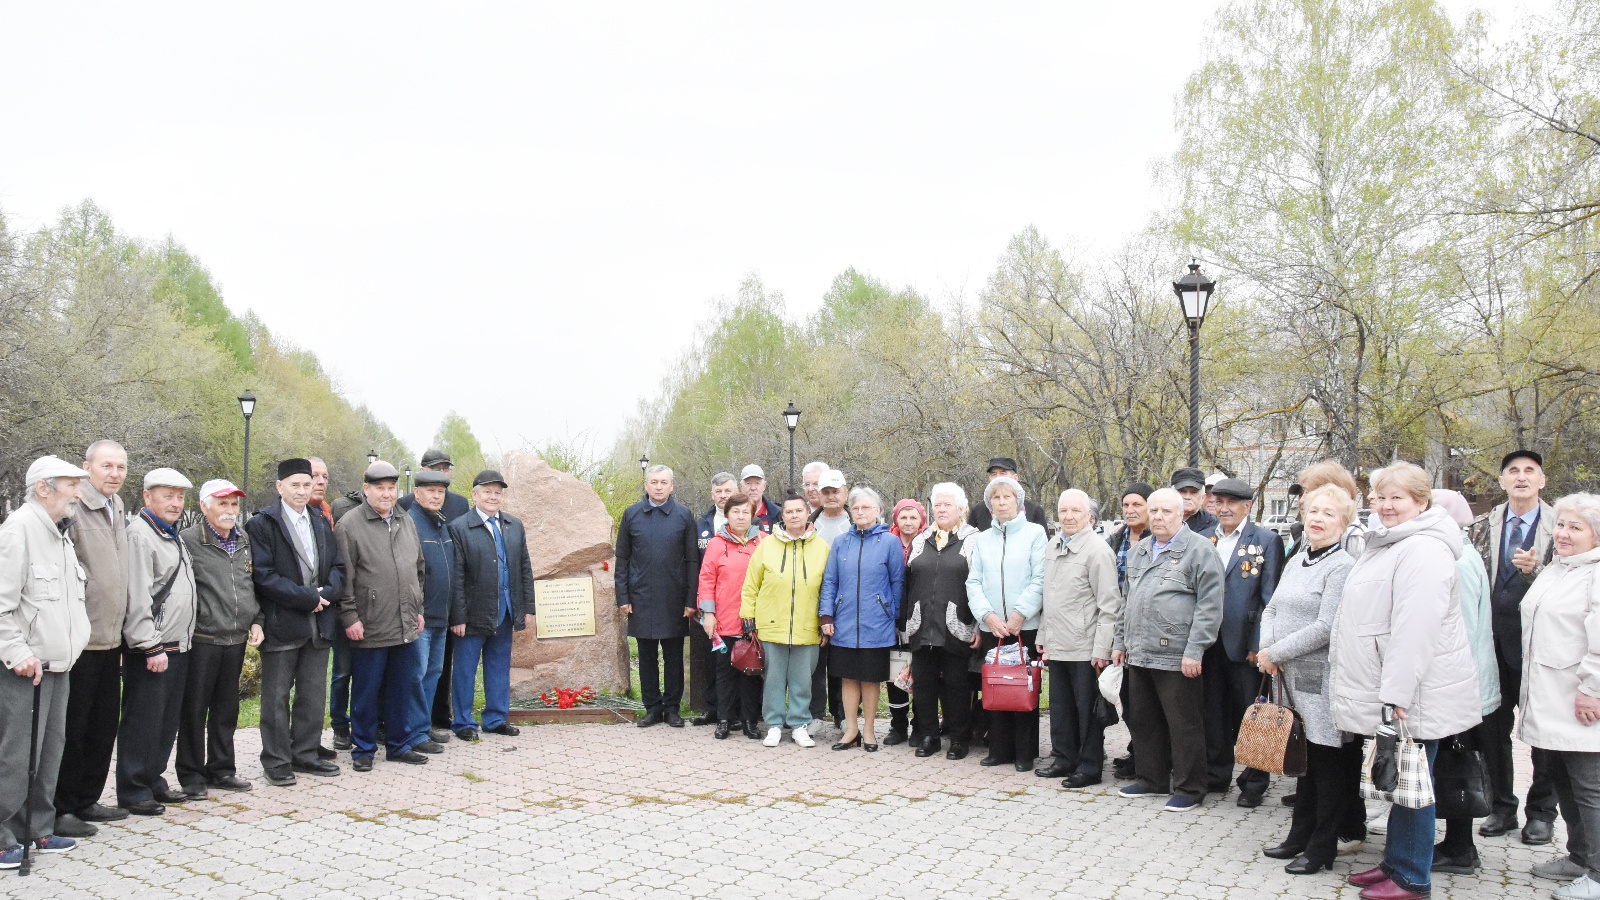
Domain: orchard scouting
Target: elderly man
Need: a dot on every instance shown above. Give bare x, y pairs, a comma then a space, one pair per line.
156, 635
298, 573
1514, 540
723, 486
226, 618
44, 626
658, 567
380, 610
455, 505
99, 534
1170, 619
1190, 483
830, 519
810, 478
1079, 620
492, 597
1006, 467
1252, 561
439, 557
754, 481
1135, 520
319, 488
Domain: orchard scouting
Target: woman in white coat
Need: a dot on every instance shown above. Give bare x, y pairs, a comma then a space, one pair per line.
1561, 687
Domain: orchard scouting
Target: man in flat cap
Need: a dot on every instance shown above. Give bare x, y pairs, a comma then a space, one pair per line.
100, 536
454, 507
439, 556
226, 619
380, 610
298, 573
156, 635
438, 461
491, 598
1006, 467
44, 626
1252, 561
1190, 483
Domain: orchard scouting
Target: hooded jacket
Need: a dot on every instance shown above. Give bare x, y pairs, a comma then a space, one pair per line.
1007, 572
42, 613
861, 587
782, 587
1081, 598
1399, 638
722, 571
1561, 653
1472, 589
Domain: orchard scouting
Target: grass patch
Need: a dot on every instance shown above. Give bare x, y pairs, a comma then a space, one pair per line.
473, 777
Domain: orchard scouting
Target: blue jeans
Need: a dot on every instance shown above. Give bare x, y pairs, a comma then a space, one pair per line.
339, 687
786, 692
431, 641
390, 678
496, 654
1408, 852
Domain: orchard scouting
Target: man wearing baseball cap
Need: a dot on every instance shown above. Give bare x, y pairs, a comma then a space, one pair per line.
1190, 483
225, 620
755, 485
44, 626
156, 635
1006, 467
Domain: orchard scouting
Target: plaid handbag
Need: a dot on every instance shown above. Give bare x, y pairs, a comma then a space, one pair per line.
1414, 787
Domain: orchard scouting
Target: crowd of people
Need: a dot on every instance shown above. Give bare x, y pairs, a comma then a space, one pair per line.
1422, 618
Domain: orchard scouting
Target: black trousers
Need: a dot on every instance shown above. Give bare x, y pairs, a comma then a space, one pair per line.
1329, 805
655, 699
1230, 688
1168, 730
1076, 735
827, 692
152, 707
442, 713
1013, 736
939, 679
210, 714
1493, 736
702, 663
94, 701
737, 695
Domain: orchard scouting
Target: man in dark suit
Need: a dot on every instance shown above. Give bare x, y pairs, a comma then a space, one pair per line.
1252, 560
298, 574
658, 567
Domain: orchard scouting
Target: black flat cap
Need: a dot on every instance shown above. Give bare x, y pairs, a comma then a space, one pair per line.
1189, 476
430, 478
489, 476
295, 466
1002, 462
1233, 488
1522, 454
434, 457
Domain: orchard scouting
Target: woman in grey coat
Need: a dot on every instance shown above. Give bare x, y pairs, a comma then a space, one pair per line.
1295, 628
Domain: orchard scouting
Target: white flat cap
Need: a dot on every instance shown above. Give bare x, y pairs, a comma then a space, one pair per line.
52, 467
165, 477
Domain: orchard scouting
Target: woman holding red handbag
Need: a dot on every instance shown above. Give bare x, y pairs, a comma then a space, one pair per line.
1005, 592
722, 570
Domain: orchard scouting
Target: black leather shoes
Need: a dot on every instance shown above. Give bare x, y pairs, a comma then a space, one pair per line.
230, 783
281, 776
1249, 799
653, 717
1290, 799
470, 735
341, 738
361, 763
1023, 765
1497, 824
1057, 768
1537, 832
895, 737
928, 747
958, 750
70, 826
673, 719
752, 731
510, 730
317, 768
1284, 851
994, 761
1304, 866
145, 808
1454, 865
439, 735
1080, 780
325, 753
723, 730
196, 792
409, 757
429, 746
170, 796
94, 812
707, 719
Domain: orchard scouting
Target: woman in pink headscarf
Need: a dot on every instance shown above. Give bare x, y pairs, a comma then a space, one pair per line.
908, 520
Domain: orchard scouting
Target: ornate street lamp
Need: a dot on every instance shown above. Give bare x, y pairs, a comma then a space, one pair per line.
247, 405
791, 416
1194, 292
372, 457
408, 479
644, 466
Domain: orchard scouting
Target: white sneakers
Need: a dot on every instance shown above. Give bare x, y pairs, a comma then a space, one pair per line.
774, 735
1584, 888
801, 738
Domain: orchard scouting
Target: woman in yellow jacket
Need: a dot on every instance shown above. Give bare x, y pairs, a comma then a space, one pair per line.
779, 605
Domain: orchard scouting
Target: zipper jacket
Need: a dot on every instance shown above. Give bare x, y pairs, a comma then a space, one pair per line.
225, 590
42, 613
782, 586
861, 587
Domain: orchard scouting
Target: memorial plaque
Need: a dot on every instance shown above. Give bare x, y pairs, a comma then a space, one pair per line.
564, 607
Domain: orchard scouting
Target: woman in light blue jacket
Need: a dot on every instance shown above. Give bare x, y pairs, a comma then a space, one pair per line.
860, 600
1005, 591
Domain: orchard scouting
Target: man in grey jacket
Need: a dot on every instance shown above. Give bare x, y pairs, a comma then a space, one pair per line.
226, 618
43, 628
1172, 616
156, 635
99, 533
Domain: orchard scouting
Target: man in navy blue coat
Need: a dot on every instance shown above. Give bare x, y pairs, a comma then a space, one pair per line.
658, 569
1252, 560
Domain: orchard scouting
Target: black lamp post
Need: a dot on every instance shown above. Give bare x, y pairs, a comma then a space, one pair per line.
1194, 292
644, 466
247, 405
792, 417
408, 479
372, 457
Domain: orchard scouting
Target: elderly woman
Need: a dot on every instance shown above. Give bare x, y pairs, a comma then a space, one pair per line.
1295, 628
722, 570
1005, 587
909, 518
939, 624
1561, 688
1081, 603
860, 600
779, 605
1399, 646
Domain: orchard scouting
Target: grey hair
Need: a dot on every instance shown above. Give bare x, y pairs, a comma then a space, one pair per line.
719, 478
654, 469
865, 490
814, 465
953, 491
33, 492
1089, 502
1005, 481
1586, 506
102, 444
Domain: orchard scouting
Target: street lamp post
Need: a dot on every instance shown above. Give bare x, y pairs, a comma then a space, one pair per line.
791, 416
1194, 292
372, 457
644, 466
247, 405
408, 479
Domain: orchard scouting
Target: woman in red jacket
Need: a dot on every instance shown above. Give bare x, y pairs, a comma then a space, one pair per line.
722, 569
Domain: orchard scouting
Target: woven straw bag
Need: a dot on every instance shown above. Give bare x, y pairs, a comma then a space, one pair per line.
1271, 737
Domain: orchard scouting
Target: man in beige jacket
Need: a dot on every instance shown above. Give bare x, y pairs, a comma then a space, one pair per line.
43, 629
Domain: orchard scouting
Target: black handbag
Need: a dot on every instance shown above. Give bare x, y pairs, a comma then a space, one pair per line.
1385, 760
1460, 782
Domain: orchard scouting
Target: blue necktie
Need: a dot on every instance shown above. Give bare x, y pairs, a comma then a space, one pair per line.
1513, 544
505, 572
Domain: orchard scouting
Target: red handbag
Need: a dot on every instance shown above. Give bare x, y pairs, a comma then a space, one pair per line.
747, 655
1011, 688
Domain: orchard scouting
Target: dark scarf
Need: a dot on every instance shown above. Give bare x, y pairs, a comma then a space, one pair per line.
171, 531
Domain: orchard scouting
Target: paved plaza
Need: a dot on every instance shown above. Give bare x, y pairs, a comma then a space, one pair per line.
617, 811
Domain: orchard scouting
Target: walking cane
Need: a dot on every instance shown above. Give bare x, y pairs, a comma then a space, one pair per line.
33, 774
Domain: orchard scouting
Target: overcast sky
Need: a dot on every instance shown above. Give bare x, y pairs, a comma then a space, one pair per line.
521, 212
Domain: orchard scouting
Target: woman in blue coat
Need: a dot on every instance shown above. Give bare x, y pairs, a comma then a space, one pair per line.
860, 600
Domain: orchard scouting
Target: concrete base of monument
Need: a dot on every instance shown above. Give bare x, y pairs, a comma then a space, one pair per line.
578, 715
